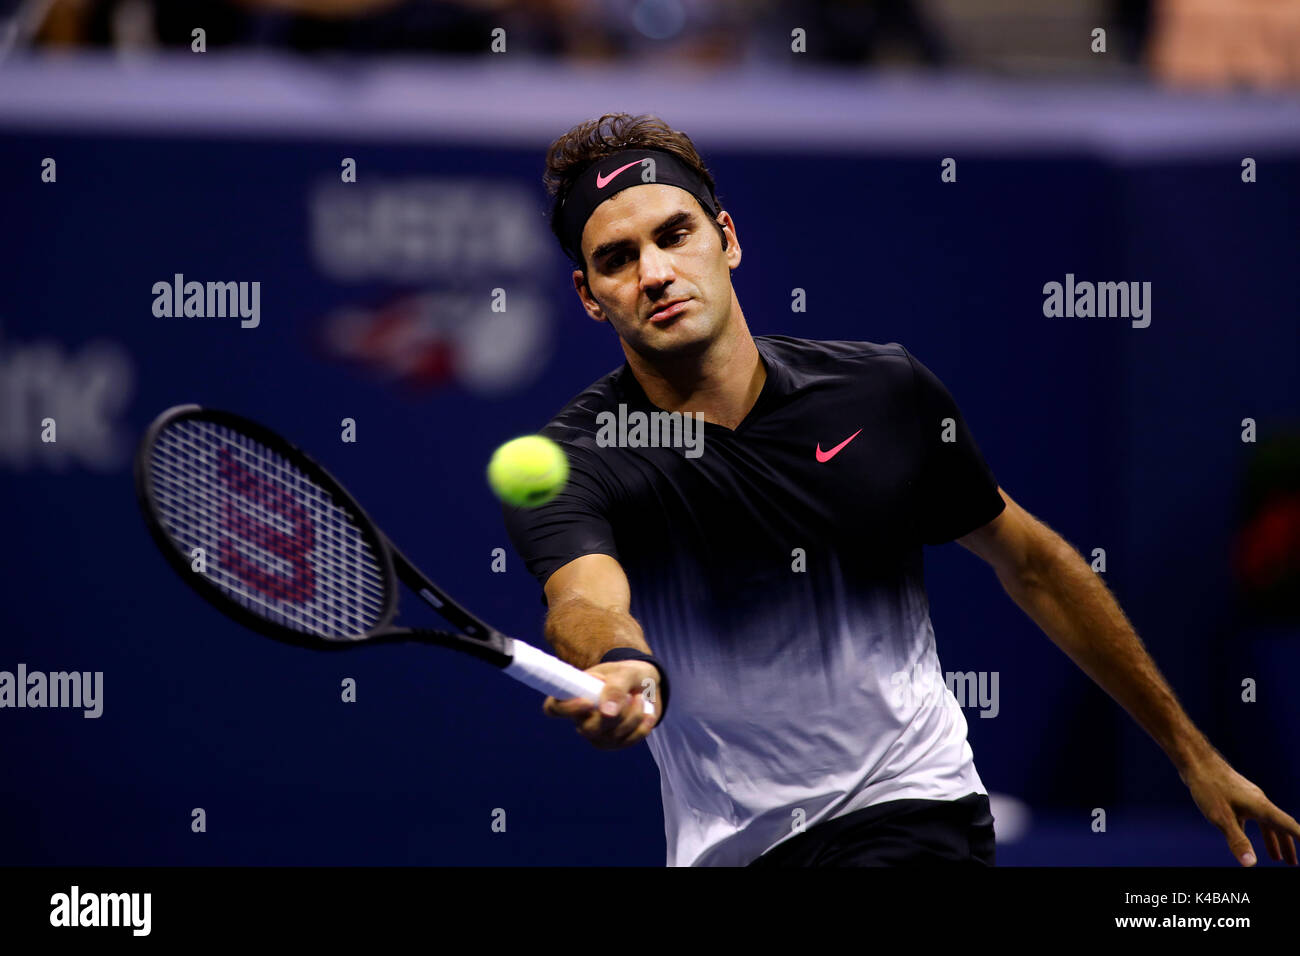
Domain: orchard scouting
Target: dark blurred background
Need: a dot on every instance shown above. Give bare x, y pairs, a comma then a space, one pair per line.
1198, 42
1165, 149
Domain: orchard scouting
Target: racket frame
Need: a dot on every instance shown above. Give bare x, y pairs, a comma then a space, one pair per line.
476, 637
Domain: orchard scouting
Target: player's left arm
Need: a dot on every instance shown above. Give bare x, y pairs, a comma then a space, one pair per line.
1054, 585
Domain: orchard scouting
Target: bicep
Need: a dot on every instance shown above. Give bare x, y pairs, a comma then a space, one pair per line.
1013, 543
595, 578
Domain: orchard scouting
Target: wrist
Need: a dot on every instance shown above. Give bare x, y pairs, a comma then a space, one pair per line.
1193, 755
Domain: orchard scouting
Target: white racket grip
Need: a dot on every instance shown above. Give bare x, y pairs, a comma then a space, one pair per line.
550, 675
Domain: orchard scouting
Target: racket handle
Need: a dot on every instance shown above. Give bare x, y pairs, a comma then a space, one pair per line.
550, 675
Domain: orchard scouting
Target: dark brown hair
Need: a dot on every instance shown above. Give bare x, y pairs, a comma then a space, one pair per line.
595, 139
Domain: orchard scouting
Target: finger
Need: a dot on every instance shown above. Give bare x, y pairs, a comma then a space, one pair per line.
567, 707
1284, 821
629, 724
613, 733
1270, 843
630, 719
638, 733
1282, 827
573, 707
1284, 842
643, 729
595, 725
1238, 842
612, 699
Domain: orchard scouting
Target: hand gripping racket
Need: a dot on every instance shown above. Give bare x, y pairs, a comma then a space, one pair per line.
282, 548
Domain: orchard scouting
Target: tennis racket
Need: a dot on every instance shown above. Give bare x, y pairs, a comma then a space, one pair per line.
282, 548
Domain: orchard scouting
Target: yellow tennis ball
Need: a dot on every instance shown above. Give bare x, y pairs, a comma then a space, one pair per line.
528, 471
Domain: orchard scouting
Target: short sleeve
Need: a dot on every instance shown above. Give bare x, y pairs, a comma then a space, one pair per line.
956, 490
571, 524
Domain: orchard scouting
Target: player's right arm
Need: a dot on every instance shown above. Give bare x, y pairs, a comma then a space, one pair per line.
589, 603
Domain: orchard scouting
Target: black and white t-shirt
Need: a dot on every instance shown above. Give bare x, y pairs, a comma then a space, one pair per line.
777, 571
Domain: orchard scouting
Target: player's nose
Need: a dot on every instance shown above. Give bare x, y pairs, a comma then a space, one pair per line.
656, 268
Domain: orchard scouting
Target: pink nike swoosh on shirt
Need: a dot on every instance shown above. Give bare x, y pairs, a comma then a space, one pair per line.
603, 181
828, 455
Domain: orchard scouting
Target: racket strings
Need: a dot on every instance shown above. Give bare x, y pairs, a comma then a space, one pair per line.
275, 541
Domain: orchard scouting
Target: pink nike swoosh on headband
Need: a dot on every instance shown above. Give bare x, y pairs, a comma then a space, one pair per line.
824, 456
603, 181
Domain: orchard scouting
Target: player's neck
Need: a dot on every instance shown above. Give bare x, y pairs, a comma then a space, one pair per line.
723, 382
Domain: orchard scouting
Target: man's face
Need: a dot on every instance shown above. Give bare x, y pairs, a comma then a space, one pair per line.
646, 247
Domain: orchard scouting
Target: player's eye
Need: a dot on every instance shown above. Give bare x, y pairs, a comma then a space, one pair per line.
618, 258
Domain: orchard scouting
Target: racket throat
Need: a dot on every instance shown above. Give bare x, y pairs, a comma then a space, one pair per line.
492, 646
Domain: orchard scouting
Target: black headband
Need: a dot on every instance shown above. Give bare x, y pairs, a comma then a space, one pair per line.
619, 171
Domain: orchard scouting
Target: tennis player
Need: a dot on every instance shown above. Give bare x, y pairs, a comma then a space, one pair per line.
741, 538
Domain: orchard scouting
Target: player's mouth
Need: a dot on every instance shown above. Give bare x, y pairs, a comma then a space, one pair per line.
666, 312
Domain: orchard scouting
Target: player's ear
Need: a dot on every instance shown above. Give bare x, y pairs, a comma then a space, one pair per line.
588, 300
724, 223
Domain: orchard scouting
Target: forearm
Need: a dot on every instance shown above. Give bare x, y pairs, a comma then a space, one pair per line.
582, 632
1072, 605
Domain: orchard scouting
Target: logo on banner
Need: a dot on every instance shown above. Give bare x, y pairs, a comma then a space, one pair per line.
433, 339
470, 259
60, 406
